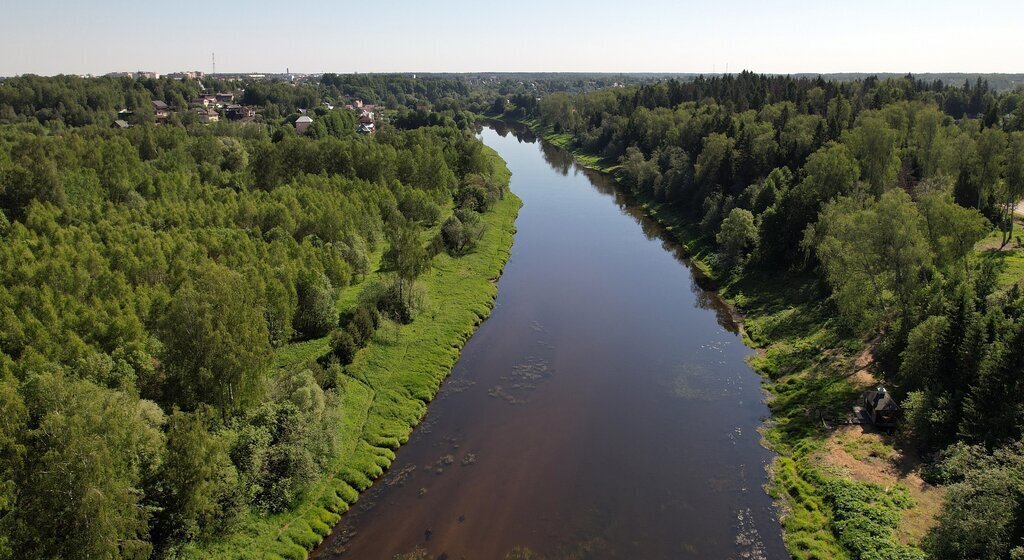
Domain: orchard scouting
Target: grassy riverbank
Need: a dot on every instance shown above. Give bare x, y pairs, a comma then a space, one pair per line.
384, 392
846, 492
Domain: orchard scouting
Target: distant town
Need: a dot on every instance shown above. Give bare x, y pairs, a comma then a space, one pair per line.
211, 107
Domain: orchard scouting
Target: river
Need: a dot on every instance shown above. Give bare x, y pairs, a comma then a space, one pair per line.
604, 410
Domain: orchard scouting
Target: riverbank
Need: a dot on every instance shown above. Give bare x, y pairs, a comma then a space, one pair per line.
386, 389
843, 492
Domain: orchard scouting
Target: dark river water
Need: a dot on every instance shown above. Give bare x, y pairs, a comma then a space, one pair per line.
604, 410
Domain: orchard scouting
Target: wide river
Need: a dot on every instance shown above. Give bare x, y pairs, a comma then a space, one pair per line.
604, 410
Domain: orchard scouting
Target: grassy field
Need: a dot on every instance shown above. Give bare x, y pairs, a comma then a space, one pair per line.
385, 391
1008, 260
813, 371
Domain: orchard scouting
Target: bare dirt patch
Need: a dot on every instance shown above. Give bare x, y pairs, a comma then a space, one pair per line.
867, 455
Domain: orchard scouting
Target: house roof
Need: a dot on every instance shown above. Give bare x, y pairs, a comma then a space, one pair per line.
880, 400
303, 119
121, 124
159, 105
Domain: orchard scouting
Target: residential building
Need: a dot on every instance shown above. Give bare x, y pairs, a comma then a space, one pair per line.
302, 124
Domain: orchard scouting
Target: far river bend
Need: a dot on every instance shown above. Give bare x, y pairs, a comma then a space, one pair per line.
604, 410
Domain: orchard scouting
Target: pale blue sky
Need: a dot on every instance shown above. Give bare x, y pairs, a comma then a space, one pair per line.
89, 36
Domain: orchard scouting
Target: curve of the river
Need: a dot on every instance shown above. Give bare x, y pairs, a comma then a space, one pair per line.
605, 410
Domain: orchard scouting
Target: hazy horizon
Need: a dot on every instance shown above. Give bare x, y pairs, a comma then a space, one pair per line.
457, 36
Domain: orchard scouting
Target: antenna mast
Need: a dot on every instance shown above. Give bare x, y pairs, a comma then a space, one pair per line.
213, 58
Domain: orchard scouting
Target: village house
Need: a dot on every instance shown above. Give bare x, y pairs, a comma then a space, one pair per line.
302, 124
205, 101
120, 124
161, 111
225, 97
207, 115
881, 408
240, 112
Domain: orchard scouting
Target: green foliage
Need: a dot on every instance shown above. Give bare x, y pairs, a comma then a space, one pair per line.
316, 313
873, 253
88, 451
216, 344
407, 259
167, 264
343, 346
196, 493
981, 517
461, 232
864, 517
736, 236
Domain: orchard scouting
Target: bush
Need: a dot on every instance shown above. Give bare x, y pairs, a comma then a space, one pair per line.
356, 335
417, 206
343, 346
316, 313
461, 232
364, 323
391, 303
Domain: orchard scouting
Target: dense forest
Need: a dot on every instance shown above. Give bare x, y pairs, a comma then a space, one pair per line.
152, 277
898, 198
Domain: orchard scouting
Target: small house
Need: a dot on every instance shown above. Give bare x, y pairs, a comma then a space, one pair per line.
365, 128
161, 111
302, 124
120, 124
243, 113
207, 115
881, 408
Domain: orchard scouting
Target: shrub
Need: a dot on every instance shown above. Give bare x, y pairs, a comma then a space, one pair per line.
343, 346
356, 335
396, 307
417, 206
316, 313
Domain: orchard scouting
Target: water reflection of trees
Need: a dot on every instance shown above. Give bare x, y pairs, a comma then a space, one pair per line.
563, 161
559, 160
